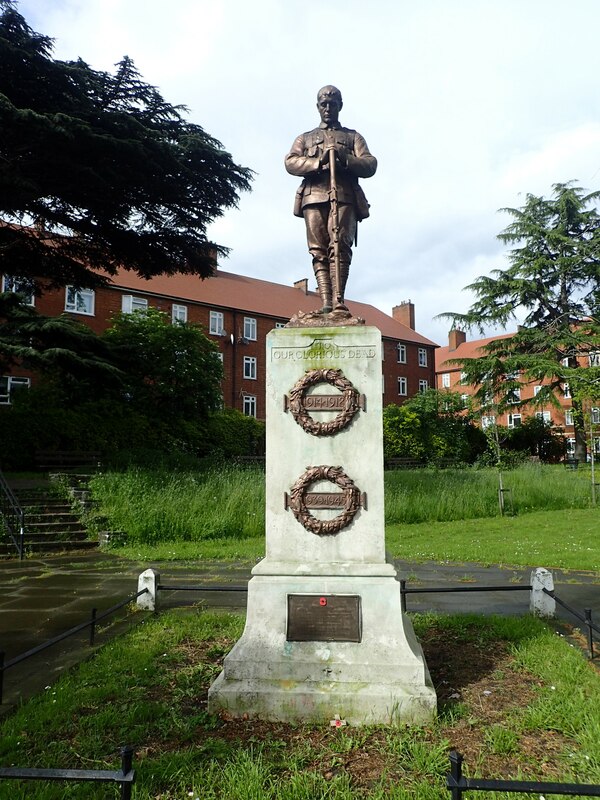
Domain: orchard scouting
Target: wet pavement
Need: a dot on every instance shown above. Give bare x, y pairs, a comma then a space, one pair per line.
44, 596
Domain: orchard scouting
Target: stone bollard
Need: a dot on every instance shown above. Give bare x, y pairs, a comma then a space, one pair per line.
148, 580
541, 604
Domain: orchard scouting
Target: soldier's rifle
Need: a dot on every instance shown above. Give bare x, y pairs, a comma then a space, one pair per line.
335, 221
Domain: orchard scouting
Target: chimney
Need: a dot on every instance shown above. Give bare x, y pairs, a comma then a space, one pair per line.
456, 338
302, 284
405, 313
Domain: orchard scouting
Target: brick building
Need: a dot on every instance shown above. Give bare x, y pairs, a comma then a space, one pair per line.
237, 312
450, 376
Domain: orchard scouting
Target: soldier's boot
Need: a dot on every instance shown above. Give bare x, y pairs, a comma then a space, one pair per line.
323, 285
339, 290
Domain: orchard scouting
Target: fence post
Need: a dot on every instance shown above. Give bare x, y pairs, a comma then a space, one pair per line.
126, 764
541, 604
587, 613
403, 596
148, 580
454, 784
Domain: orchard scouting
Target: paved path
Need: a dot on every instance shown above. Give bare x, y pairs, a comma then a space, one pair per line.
42, 597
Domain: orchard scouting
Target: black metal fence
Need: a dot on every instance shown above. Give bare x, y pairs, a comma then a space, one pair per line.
12, 516
457, 784
90, 623
586, 618
125, 777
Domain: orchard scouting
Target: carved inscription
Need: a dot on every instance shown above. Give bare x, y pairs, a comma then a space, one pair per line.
324, 618
324, 402
324, 500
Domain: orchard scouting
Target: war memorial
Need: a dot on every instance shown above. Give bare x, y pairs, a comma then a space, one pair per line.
325, 635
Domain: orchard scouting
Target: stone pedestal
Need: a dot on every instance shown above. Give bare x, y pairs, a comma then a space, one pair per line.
325, 633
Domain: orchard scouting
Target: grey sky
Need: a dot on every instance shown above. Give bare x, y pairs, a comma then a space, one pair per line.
467, 104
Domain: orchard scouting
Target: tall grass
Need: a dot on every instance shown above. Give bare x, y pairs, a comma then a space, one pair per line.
154, 506
413, 496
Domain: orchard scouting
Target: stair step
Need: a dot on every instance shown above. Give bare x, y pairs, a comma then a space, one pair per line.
49, 527
36, 547
51, 536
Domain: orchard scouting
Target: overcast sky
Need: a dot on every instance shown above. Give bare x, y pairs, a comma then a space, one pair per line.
468, 105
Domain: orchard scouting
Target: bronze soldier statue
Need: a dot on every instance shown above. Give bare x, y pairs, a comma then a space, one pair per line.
331, 159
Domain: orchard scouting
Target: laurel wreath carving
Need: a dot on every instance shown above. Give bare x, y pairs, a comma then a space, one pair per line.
334, 377
325, 527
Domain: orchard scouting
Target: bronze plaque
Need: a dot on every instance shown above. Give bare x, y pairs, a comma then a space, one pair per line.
324, 402
332, 500
324, 618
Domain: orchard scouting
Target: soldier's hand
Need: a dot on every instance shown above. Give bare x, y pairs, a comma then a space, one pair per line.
341, 156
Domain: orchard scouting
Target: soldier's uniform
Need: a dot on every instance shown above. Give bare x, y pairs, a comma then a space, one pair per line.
313, 199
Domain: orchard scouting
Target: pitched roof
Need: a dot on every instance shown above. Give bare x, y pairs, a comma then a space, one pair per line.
468, 349
228, 290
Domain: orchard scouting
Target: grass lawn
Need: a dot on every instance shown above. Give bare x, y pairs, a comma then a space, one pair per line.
515, 699
566, 539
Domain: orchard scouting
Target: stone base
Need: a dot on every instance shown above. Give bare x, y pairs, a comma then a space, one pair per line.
383, 679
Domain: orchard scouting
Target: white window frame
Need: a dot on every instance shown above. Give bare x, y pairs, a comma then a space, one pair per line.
566, 391
514, 396
80, 301
216, 323
280, 325
179, 313
445, 380
463, 377
536, 390
545, 416
594, 358
595, 416
130, 303
422, 357
250, 328
249, 405
487, 421
465, 398
250, 368
571, 441
423, 386
401, 353
511, 420
569, 419
12, 383
402, 386
16, 285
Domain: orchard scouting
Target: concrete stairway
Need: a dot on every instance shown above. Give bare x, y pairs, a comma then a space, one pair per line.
51, 524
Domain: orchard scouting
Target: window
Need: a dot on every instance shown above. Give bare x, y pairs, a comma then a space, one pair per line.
250, 368
463, 377
565, 361
536, 390
594, 358
8, 385
422, 357
595, 416
178, 313
249, 406
569, 418
544, 416
465, 400
220, 356
423, 386
571, 446
488, 421
402, 386
129, 304
514, 420
596, 445
446, 380
215, 325
19, 286
513, 396
79, 301
280, 324
566, 390
250, 329
401, 353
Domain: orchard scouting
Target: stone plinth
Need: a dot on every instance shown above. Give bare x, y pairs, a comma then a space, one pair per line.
325, 537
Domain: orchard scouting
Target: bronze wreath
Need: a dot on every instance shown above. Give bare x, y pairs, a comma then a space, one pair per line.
328, 527
334, 377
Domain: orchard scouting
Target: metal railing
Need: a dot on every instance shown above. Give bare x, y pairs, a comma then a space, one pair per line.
90, 623
125, 777
457, 784
12, 516
586, 618
436, 590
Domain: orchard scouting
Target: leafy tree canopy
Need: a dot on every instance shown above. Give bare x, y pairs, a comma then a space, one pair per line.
172, 370
108, 172
553, 278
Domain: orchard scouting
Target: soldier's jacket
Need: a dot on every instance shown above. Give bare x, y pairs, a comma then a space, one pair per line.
304, 160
